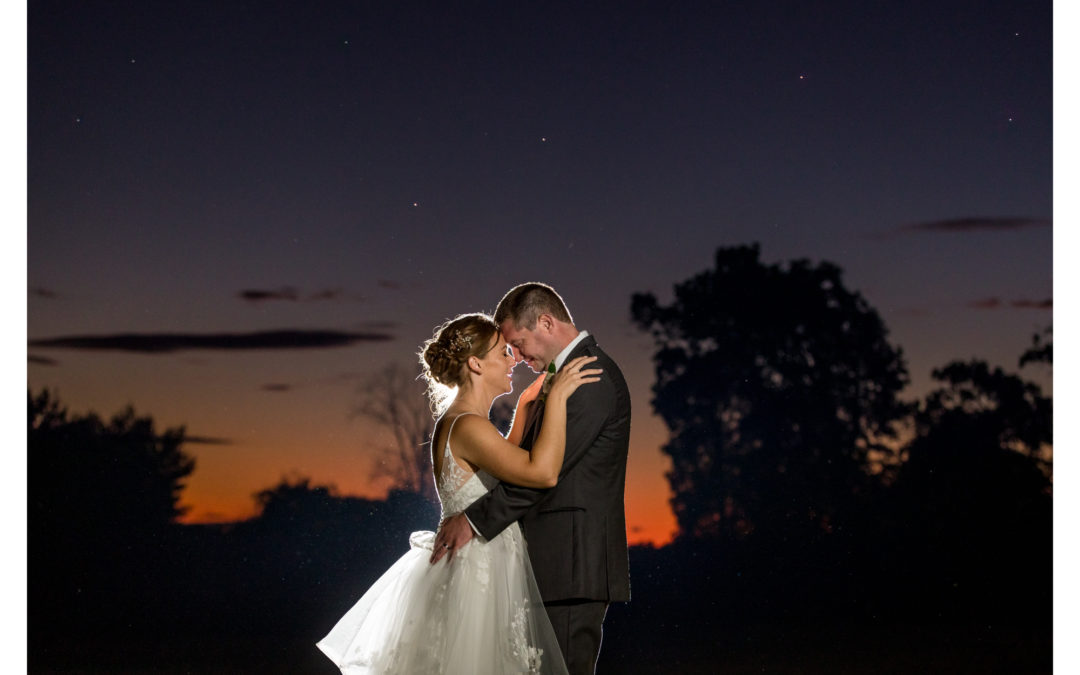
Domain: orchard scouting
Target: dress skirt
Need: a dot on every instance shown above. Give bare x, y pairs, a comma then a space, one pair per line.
479, 614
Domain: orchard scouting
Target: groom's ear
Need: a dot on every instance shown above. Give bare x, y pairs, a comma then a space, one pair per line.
545, 322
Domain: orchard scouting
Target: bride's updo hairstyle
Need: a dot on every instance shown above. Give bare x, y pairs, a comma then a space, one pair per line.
443, 357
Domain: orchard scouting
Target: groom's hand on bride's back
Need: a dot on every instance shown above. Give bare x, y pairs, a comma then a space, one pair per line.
454, 532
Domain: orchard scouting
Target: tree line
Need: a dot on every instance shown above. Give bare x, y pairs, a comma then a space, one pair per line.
814, 486
803, 484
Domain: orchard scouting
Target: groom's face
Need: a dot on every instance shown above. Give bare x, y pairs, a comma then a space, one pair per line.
528, 344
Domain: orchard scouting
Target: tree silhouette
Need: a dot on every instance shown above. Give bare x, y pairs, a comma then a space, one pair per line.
1041, 350
102, 504
298, 509
974, 491
84, 471
315, 551
994, 407
776, 383
396, 401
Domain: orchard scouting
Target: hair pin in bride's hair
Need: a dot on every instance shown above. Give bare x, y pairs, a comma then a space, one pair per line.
460, 341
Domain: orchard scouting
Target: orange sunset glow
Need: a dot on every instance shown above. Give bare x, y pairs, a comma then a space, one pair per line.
215, 493
247, 438
222, 487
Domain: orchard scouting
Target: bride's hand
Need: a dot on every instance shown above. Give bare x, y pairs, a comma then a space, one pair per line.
573, 375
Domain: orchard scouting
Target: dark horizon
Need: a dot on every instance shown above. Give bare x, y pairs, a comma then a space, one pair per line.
240, 215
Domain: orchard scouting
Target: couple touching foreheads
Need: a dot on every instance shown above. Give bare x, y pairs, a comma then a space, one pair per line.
532, 544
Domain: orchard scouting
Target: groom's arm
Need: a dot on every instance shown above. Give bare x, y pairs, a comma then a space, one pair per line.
587, 410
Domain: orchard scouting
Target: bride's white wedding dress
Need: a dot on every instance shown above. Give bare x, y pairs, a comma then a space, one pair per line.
480, 614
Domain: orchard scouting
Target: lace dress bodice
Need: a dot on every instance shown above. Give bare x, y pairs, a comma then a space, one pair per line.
458, 487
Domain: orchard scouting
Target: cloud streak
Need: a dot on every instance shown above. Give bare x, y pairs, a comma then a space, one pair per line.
973, 224
208, 440
41, 292
291, 294
1048, 303
260, 295
166, 343
998, 303
41, 360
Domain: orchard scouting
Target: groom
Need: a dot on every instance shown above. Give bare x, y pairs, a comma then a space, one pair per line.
576, 531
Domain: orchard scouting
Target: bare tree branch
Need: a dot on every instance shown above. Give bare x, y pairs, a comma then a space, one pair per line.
394, 399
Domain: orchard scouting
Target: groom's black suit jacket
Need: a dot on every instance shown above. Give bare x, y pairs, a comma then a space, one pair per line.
576, 531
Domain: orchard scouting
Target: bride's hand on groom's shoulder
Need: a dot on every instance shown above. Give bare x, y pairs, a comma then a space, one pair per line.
573, 375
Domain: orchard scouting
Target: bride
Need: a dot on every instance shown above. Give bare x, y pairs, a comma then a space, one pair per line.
479, 612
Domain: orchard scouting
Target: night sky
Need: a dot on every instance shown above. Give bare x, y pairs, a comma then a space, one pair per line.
320, 184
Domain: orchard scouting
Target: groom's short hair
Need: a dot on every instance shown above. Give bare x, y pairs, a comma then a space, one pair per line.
523, 304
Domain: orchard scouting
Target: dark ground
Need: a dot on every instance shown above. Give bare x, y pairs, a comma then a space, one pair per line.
780, 649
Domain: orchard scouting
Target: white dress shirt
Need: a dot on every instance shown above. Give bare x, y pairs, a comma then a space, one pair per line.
561, 358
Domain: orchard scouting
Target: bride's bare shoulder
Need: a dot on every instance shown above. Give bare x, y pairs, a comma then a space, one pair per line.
467, 427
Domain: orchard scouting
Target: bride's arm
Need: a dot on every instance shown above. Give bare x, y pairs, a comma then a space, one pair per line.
479, 443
